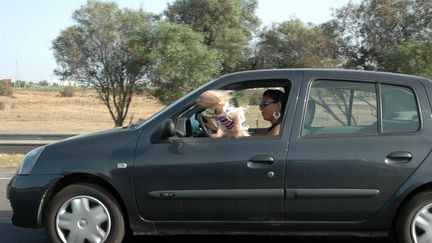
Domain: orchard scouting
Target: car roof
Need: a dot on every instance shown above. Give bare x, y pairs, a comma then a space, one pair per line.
327, 71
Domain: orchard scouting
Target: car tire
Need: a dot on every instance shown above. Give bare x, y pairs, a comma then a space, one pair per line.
82, 211
411, 224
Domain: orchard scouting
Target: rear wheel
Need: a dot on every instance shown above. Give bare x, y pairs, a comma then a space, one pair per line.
415, 221
84, 213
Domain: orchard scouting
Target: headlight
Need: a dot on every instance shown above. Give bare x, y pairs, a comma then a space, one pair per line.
29, 160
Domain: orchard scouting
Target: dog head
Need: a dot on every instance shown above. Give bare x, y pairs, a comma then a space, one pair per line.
213, 99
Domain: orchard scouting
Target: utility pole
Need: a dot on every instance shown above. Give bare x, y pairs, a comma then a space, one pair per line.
17, 77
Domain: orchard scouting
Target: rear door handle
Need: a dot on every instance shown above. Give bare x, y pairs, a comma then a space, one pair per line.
260, 161
398, 157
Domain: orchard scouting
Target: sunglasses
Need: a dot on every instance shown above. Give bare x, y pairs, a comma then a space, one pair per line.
263, 105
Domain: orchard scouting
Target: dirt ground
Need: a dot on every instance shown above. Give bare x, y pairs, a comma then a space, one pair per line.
45, 111
10, 160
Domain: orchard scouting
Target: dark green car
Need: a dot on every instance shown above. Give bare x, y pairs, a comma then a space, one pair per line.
352, 157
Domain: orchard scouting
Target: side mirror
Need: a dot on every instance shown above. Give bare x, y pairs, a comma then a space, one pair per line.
183, 127
167, 129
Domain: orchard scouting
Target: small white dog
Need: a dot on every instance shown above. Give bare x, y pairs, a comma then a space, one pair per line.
231, 120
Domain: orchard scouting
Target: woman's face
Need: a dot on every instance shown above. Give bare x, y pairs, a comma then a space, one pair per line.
267, 107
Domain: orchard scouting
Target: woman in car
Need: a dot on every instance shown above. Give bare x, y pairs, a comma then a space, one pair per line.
272, 105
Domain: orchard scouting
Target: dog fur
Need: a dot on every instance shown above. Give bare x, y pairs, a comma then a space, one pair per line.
234, 124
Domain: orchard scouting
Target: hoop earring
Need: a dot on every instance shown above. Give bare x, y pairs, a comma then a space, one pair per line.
276, 115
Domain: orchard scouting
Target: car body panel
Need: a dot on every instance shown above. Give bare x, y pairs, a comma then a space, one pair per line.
26, 194
96, 155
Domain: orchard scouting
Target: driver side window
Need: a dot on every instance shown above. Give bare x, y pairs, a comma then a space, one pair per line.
240, 111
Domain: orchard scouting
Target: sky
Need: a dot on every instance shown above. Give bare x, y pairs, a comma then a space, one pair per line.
28, 27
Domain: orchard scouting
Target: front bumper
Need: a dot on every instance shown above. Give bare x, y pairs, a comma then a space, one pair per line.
26, 194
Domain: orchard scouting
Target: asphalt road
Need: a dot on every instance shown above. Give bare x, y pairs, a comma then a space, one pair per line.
12, 234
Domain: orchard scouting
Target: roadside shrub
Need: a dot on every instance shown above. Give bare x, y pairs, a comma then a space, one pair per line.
5, 90
67, 91
43, 83
20, 84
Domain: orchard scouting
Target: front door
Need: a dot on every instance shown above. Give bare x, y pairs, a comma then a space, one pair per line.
206, 179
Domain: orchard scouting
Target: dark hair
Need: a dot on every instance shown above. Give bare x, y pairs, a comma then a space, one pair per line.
277, 96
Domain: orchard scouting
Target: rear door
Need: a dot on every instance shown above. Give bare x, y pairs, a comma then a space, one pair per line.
355, 140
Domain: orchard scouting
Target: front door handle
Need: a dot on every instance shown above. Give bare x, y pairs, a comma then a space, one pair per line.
260, 161
398, 157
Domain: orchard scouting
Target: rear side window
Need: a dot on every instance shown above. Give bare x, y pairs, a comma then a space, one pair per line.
399, 109
344, 107
337, 107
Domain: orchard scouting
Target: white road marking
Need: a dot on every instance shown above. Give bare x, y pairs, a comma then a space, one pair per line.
5, 178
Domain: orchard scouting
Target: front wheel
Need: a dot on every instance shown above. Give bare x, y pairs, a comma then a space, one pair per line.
414, 224
84, 213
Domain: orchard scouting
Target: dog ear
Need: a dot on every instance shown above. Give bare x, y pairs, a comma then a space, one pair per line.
207, 99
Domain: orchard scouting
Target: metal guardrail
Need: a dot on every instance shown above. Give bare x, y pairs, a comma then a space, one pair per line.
24, 142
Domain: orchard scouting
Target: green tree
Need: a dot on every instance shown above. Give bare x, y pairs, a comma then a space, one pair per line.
100, 50
182, 61
410, 57
368, 31
294, 44
227, 26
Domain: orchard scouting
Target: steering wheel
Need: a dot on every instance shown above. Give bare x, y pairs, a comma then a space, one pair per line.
204, 129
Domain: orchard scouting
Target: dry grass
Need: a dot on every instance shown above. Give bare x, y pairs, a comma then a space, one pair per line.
45, 111
10, 160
